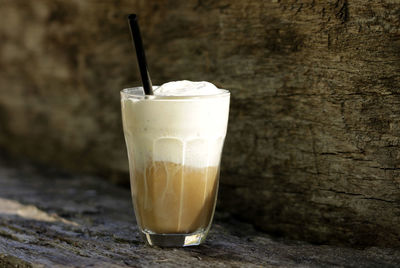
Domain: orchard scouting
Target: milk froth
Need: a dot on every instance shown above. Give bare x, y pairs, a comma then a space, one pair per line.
188, 131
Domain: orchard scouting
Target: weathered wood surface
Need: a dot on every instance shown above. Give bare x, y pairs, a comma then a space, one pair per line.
51, 219
314, 129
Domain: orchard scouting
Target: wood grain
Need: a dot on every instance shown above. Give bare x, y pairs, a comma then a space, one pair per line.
53, 219
313, 144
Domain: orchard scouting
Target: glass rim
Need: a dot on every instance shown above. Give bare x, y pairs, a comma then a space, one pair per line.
127, 93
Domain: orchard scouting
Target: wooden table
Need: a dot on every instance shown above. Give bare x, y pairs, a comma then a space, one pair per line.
53, 219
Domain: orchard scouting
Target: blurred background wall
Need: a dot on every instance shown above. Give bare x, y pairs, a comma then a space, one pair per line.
313, 145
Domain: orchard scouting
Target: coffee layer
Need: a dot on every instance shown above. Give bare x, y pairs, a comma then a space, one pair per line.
172, 198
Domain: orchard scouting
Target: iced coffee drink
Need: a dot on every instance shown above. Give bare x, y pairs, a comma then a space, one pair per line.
174, 140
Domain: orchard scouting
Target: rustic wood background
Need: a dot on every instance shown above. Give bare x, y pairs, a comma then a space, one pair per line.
313, 145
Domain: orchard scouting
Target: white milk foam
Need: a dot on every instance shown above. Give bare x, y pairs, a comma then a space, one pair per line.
187, 88
188, 131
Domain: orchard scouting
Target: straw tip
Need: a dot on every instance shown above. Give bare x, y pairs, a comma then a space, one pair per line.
132, 17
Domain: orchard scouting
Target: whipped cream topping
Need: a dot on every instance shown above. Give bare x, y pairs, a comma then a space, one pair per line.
187, 88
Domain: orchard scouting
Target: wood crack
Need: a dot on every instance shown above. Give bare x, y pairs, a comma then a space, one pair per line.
361, 196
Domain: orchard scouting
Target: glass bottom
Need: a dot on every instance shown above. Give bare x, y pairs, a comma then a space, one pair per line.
174, 240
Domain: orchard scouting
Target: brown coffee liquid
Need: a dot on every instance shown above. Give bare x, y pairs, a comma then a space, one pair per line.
172, 198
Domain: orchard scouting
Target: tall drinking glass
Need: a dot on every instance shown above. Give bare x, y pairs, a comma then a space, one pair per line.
174, 146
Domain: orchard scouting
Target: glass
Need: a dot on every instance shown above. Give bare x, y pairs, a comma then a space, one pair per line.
174, 148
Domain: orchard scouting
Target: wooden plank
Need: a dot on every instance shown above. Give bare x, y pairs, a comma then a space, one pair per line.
314, 129
52, 219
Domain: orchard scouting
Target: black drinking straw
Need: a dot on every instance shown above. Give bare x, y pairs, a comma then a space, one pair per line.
141, 57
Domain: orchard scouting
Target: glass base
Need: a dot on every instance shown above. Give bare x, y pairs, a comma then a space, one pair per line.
174, 240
